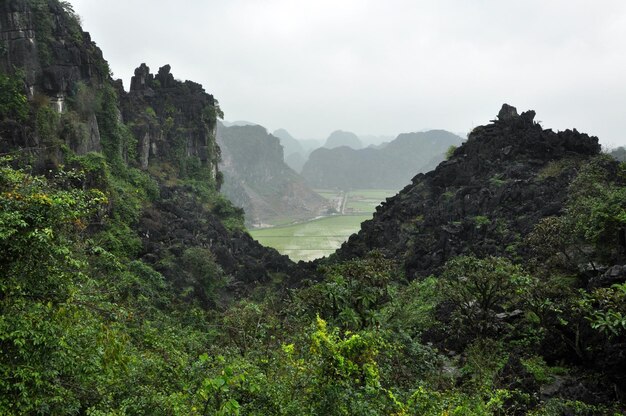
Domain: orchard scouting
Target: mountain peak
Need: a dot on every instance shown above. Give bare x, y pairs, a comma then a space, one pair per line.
508, 174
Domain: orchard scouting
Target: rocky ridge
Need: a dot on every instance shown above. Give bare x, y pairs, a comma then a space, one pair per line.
491, 192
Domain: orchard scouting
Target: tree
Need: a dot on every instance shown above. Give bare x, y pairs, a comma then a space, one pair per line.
479, 289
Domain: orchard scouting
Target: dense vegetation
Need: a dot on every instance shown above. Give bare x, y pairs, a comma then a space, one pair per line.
85, 327
92, 324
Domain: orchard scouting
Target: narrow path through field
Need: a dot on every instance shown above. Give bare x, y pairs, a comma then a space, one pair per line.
343, 203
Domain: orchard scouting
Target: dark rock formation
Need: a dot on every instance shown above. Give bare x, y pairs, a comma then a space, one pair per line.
490, 193
46, 43
257, 179
390, 167
43, 43
174, 121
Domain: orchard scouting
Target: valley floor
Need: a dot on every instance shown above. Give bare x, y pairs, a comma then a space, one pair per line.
322, 236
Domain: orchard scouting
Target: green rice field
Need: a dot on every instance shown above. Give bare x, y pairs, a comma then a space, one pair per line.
312, 239
366, 200
321, 237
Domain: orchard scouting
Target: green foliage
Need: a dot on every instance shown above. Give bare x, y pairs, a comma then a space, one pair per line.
481, 220
47, 124
352, 292
537, 366
497, 180
596, 209
118, 143
605, 309
13, 101
86, 100
230, 215
450, 151
485, 360
481, 288
558, 167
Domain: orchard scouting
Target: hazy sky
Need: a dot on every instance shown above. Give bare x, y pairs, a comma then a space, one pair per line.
381, 67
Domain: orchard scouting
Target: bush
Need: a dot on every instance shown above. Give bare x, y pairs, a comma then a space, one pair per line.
482, 288
13, 101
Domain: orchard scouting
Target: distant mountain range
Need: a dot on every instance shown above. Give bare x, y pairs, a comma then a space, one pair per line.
340, 138
257, 179
390, 166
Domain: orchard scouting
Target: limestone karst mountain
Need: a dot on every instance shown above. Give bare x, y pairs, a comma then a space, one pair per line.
257, 179
391, 166
494, 188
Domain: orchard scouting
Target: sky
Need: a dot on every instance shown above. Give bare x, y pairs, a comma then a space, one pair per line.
381, 67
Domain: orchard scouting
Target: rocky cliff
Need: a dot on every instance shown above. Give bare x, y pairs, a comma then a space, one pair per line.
43, 46
58, 103
483, 200
174, 121
44, 41
391, 166
257, 179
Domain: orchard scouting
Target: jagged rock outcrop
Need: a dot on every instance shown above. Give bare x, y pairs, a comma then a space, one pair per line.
389, 167
491, 192
73, 102
42, 43
257, 179
174, 121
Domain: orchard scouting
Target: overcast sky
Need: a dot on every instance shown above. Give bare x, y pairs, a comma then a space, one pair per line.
381, 67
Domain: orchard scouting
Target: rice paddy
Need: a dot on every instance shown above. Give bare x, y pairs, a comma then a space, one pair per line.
321, 237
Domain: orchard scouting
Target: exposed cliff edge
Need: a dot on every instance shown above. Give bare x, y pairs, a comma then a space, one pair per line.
174, 121
491, 192
257, 179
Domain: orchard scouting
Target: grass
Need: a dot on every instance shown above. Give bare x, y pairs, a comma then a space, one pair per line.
366, 200
321, 237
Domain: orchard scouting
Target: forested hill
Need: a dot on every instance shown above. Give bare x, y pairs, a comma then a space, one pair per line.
390, 167
493, 285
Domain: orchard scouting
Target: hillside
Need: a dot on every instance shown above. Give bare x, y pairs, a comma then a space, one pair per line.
491, 192
389, 167
257, 179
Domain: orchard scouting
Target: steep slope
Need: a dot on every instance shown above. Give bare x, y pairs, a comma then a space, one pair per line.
52, 61
491, 192
257, 179
391, 166
159, 151
295, 154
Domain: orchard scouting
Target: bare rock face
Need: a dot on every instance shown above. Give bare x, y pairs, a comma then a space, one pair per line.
507, 113
174, 121
42, 43
481, 201
46, 42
